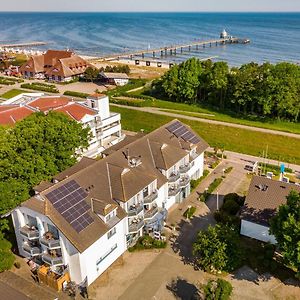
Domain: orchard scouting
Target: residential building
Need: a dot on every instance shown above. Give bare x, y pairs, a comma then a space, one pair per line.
88, 216
94, 113
262, 202
119, 79
54, 65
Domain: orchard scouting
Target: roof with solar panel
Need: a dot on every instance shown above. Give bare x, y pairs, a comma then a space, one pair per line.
69, 203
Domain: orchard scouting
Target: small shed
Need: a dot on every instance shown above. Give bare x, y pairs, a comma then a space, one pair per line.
119, 79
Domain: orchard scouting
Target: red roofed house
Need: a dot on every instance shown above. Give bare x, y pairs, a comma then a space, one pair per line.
55, 65
105, 126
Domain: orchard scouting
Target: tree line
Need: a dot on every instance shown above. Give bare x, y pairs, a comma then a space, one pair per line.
268, 90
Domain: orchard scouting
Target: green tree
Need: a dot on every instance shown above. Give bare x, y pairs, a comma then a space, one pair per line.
285, 226
219, 289
91, 74
217, 248
35, 149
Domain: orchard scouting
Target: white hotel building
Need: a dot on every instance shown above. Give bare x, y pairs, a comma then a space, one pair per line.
88, 216
93, 113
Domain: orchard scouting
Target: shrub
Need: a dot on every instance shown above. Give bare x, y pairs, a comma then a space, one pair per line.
215, 164
234, 197
228, 170
218, 290
147, 242
129, 102
189, 212
76, 94
210, 189
230, 207
223, 218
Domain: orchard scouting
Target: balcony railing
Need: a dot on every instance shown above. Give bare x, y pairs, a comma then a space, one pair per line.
133, 211
135, 227
185, 168
29, 233
174, 177
151, 213
32, 251
184, 181
52, 260
50, 244
174, 191
150, 198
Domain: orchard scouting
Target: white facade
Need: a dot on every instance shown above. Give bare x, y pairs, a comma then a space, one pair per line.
257, 231
146, 212
88, 265
105, 126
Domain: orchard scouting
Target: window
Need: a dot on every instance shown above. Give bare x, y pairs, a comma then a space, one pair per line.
113, 248
145, 192
111, 233
93, 105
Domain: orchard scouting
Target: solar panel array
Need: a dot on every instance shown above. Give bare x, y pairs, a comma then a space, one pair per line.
180, 130
69, 201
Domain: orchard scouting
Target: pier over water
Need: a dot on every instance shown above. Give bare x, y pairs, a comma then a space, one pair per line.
176, 49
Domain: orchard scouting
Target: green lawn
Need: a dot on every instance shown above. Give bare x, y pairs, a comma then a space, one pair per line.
234, 139
208, 113
12, 93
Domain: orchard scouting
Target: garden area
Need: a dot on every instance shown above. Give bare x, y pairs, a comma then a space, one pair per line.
147, 242
39, 86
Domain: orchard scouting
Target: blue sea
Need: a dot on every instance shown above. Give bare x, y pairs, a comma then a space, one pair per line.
274, 36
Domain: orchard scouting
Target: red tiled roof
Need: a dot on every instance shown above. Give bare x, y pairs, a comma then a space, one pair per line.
11, 116
48, 103
76, 111
7, 107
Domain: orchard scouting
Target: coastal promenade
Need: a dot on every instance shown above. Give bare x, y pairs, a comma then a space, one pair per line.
159, 111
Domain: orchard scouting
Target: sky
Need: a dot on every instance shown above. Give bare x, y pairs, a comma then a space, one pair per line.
151, 5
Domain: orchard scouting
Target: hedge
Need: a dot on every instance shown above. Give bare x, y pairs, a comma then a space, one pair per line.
147, 242
40, 87
76, 94
195, 183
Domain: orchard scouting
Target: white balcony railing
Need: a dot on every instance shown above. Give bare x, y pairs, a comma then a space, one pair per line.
29, 233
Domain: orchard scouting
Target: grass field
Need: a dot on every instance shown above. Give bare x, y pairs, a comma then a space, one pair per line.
12, 93
234, 139
206, 113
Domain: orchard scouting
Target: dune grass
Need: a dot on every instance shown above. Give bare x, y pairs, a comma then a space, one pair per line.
245, 141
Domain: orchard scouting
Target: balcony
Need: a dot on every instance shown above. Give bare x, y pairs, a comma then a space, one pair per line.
185, 168
52, 260
151, 213
134, 210
50, 243
150, 198
31, 250
174, 177
135, 227
173, 191
184, 181
30, 233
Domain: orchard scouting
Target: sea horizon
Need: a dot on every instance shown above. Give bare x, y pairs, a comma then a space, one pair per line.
274, 35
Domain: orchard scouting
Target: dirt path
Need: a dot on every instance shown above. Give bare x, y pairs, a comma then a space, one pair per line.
159, 111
